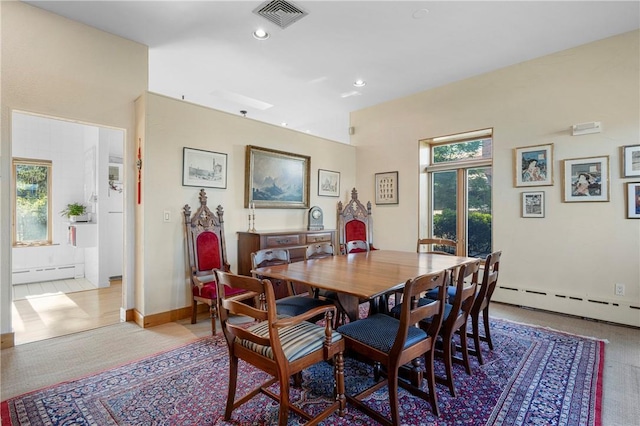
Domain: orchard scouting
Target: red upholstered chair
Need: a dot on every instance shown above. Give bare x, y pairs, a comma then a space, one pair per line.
355, 224
206, 250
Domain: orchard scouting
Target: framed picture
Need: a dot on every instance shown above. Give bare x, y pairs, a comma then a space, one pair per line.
586, 179
204, 168
276, 179
387, 188
633, 200
533, 204
533, 165
328, 183
631, 160
115, 172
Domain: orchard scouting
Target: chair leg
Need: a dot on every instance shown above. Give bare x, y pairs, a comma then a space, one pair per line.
194, 311
487, 332
447, 344
431, 383
338, 361
464, 349
476, 337
392, 385
283, 414
231, 396
213, 311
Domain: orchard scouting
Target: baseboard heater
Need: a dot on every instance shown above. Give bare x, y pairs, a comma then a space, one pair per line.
46, 273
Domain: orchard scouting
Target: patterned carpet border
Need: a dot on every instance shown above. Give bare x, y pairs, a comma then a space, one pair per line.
534, 376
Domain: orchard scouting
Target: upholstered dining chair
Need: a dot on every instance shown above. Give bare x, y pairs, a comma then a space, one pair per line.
206, 252
355, 223
281, 347
456, 313
291, 304
393, 342
481, 304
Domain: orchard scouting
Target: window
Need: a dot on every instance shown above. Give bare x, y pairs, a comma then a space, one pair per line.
457, 190
32, 208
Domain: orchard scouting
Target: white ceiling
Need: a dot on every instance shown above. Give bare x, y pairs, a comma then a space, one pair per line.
303, 75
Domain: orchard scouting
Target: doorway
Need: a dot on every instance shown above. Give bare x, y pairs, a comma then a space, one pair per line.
73, 282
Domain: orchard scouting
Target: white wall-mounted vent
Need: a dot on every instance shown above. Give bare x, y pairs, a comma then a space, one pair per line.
280, 12
586, 128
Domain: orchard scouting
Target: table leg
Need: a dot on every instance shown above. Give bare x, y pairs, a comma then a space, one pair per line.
351, 305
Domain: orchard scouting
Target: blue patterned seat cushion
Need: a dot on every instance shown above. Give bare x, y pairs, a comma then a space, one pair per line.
297, 340
379, 331
451, 293
395, 311
296, 305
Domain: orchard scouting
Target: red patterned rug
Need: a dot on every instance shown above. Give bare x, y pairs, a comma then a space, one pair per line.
534, 376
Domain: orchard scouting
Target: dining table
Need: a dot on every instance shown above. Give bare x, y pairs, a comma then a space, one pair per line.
360, 276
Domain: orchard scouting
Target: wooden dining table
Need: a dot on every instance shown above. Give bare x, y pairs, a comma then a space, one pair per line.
362, 276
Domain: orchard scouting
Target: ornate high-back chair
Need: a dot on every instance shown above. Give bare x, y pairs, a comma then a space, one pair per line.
355, 225
206, 250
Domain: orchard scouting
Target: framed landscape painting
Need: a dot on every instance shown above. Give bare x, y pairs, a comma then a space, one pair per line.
204, 168
533, 204
328, 183
533, 165
586, 179
276, 179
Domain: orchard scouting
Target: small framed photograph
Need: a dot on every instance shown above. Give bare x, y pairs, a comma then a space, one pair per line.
533, 165
533, 204
328, 183
204, 168
586, 179
631, 160
276, 179
633, 200
387, 188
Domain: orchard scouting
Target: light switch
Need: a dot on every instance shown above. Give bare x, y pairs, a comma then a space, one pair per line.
167, 216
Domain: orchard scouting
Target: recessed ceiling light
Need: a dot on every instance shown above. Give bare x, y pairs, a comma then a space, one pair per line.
359, 83
260, 34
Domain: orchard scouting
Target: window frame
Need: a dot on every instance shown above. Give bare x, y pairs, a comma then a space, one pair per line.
15, 162
461, 167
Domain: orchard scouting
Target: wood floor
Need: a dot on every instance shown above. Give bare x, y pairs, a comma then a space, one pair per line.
53, 313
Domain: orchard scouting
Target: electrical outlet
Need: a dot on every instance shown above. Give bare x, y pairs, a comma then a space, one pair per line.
619, 289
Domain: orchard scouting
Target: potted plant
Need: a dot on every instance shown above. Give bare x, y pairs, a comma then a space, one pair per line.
76, 212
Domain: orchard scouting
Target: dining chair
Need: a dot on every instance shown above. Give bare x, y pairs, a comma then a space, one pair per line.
437, 245
456, 313
206, 252
393, 342
292, 304
280, 346
481, 304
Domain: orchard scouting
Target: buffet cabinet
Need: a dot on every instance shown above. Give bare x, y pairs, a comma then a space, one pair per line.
296, 241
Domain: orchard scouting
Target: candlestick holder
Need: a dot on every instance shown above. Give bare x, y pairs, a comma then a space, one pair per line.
253, 228
250, 227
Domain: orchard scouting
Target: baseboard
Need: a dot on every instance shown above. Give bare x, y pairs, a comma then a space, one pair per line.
146, 321
7, 340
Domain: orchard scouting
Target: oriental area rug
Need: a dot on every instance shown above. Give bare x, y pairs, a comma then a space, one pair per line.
534, 376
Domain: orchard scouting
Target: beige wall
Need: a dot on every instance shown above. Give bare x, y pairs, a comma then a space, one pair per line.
171, 125
58, 67
578, 249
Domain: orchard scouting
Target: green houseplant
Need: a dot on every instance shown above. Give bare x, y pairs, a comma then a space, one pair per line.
76, 212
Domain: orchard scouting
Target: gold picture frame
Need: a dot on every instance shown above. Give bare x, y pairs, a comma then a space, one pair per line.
276, 179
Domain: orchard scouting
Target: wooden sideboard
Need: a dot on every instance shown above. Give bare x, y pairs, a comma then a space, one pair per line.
296, 241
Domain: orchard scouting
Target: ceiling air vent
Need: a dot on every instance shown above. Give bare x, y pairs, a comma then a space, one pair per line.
281, 13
